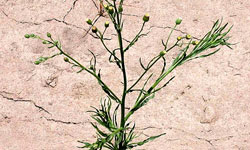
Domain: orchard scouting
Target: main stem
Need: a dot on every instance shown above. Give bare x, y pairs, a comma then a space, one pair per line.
124, 90
124, 80
119, 30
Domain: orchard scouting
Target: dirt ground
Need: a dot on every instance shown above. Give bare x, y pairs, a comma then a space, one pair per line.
43, 107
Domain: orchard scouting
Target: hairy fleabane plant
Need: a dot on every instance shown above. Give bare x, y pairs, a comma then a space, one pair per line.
119, 134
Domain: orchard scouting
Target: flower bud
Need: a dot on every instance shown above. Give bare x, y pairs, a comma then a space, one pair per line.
37, 62
162, 53
32, 35
94, 29
120, 9
45, 42
66, 59
195, 42
106, 24
110, 10
27, 36
188, 36
48, 35
178, 21
88, 21
146, 17
179, 38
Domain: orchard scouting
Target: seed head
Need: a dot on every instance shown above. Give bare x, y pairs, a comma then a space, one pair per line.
105, 6
94, 29
66, 59
106, 24
188, 36
162, 53
146, 17
111, 10
178, 21
195, 42
179, 38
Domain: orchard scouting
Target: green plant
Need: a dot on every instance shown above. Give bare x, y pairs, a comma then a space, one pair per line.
120, 134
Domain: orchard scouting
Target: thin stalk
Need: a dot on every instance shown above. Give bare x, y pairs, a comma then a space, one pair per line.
136, 38
166, 45
148, 68
92, 73
143, 74
105, 46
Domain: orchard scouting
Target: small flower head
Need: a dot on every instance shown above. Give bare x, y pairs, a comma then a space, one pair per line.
146, 17
178, 21
106, 24
188, 36
66, 59
88, 21
179, 38
27, 36
162, 53
195, 42
48, 35
110, 10
105, 6
94, 29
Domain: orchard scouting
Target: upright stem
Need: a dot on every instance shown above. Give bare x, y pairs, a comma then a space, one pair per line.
119, 30
124, 81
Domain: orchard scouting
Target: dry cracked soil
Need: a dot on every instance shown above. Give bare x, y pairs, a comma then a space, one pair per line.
43, 107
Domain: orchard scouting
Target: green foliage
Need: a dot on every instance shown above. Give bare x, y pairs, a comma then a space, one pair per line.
119, 134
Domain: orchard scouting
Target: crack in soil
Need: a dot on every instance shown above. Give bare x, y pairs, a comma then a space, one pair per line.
73, 6
23, 100
209, 141
64, 22
75, 26
22, 22
64, 122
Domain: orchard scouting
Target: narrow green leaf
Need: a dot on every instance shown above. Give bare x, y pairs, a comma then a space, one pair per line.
145, 141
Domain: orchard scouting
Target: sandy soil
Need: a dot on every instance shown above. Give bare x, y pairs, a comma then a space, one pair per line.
206, 107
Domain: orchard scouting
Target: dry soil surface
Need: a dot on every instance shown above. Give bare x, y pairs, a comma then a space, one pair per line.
43, 107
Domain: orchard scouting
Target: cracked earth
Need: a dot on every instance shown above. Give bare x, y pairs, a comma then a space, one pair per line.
44, 107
